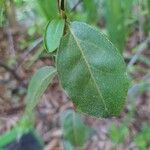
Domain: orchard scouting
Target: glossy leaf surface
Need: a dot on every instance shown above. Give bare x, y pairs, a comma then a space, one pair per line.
53, 34
92, 71
74, 130
37, 86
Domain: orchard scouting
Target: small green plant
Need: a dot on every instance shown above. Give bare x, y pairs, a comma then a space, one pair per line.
75, 132
90, 68
38, 84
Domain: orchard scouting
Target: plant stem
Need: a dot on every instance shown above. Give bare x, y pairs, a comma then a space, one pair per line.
61, 7
139, 50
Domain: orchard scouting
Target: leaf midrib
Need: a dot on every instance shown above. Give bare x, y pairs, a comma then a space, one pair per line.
88, 66
97, 48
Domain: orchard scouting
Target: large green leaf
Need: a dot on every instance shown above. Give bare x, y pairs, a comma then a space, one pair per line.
54, 32
92, 71
37, 86
74, 130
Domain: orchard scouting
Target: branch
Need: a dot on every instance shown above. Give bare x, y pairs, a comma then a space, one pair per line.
31, 48
11, 71
16, 76
140, 49
76, 5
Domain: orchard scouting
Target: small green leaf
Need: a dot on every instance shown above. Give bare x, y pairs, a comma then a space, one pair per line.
92, 71
54, 32
37, 86
74, 129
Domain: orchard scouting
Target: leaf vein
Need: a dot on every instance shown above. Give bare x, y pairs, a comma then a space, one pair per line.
89, 68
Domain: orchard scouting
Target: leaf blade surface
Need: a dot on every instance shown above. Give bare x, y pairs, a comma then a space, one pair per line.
92, 71
53, 34
37, 86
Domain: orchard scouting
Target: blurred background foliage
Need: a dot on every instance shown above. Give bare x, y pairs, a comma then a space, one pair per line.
127, 25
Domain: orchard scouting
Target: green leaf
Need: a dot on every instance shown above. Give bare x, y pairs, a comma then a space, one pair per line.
8, 137
37, 86
91, 10
2, 9
115, 23
92, 71
115, 16
54, 32
48, 8
74, 130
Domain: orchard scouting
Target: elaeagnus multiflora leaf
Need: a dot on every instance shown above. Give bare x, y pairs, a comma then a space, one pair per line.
54, 32
37, 86
92, 71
